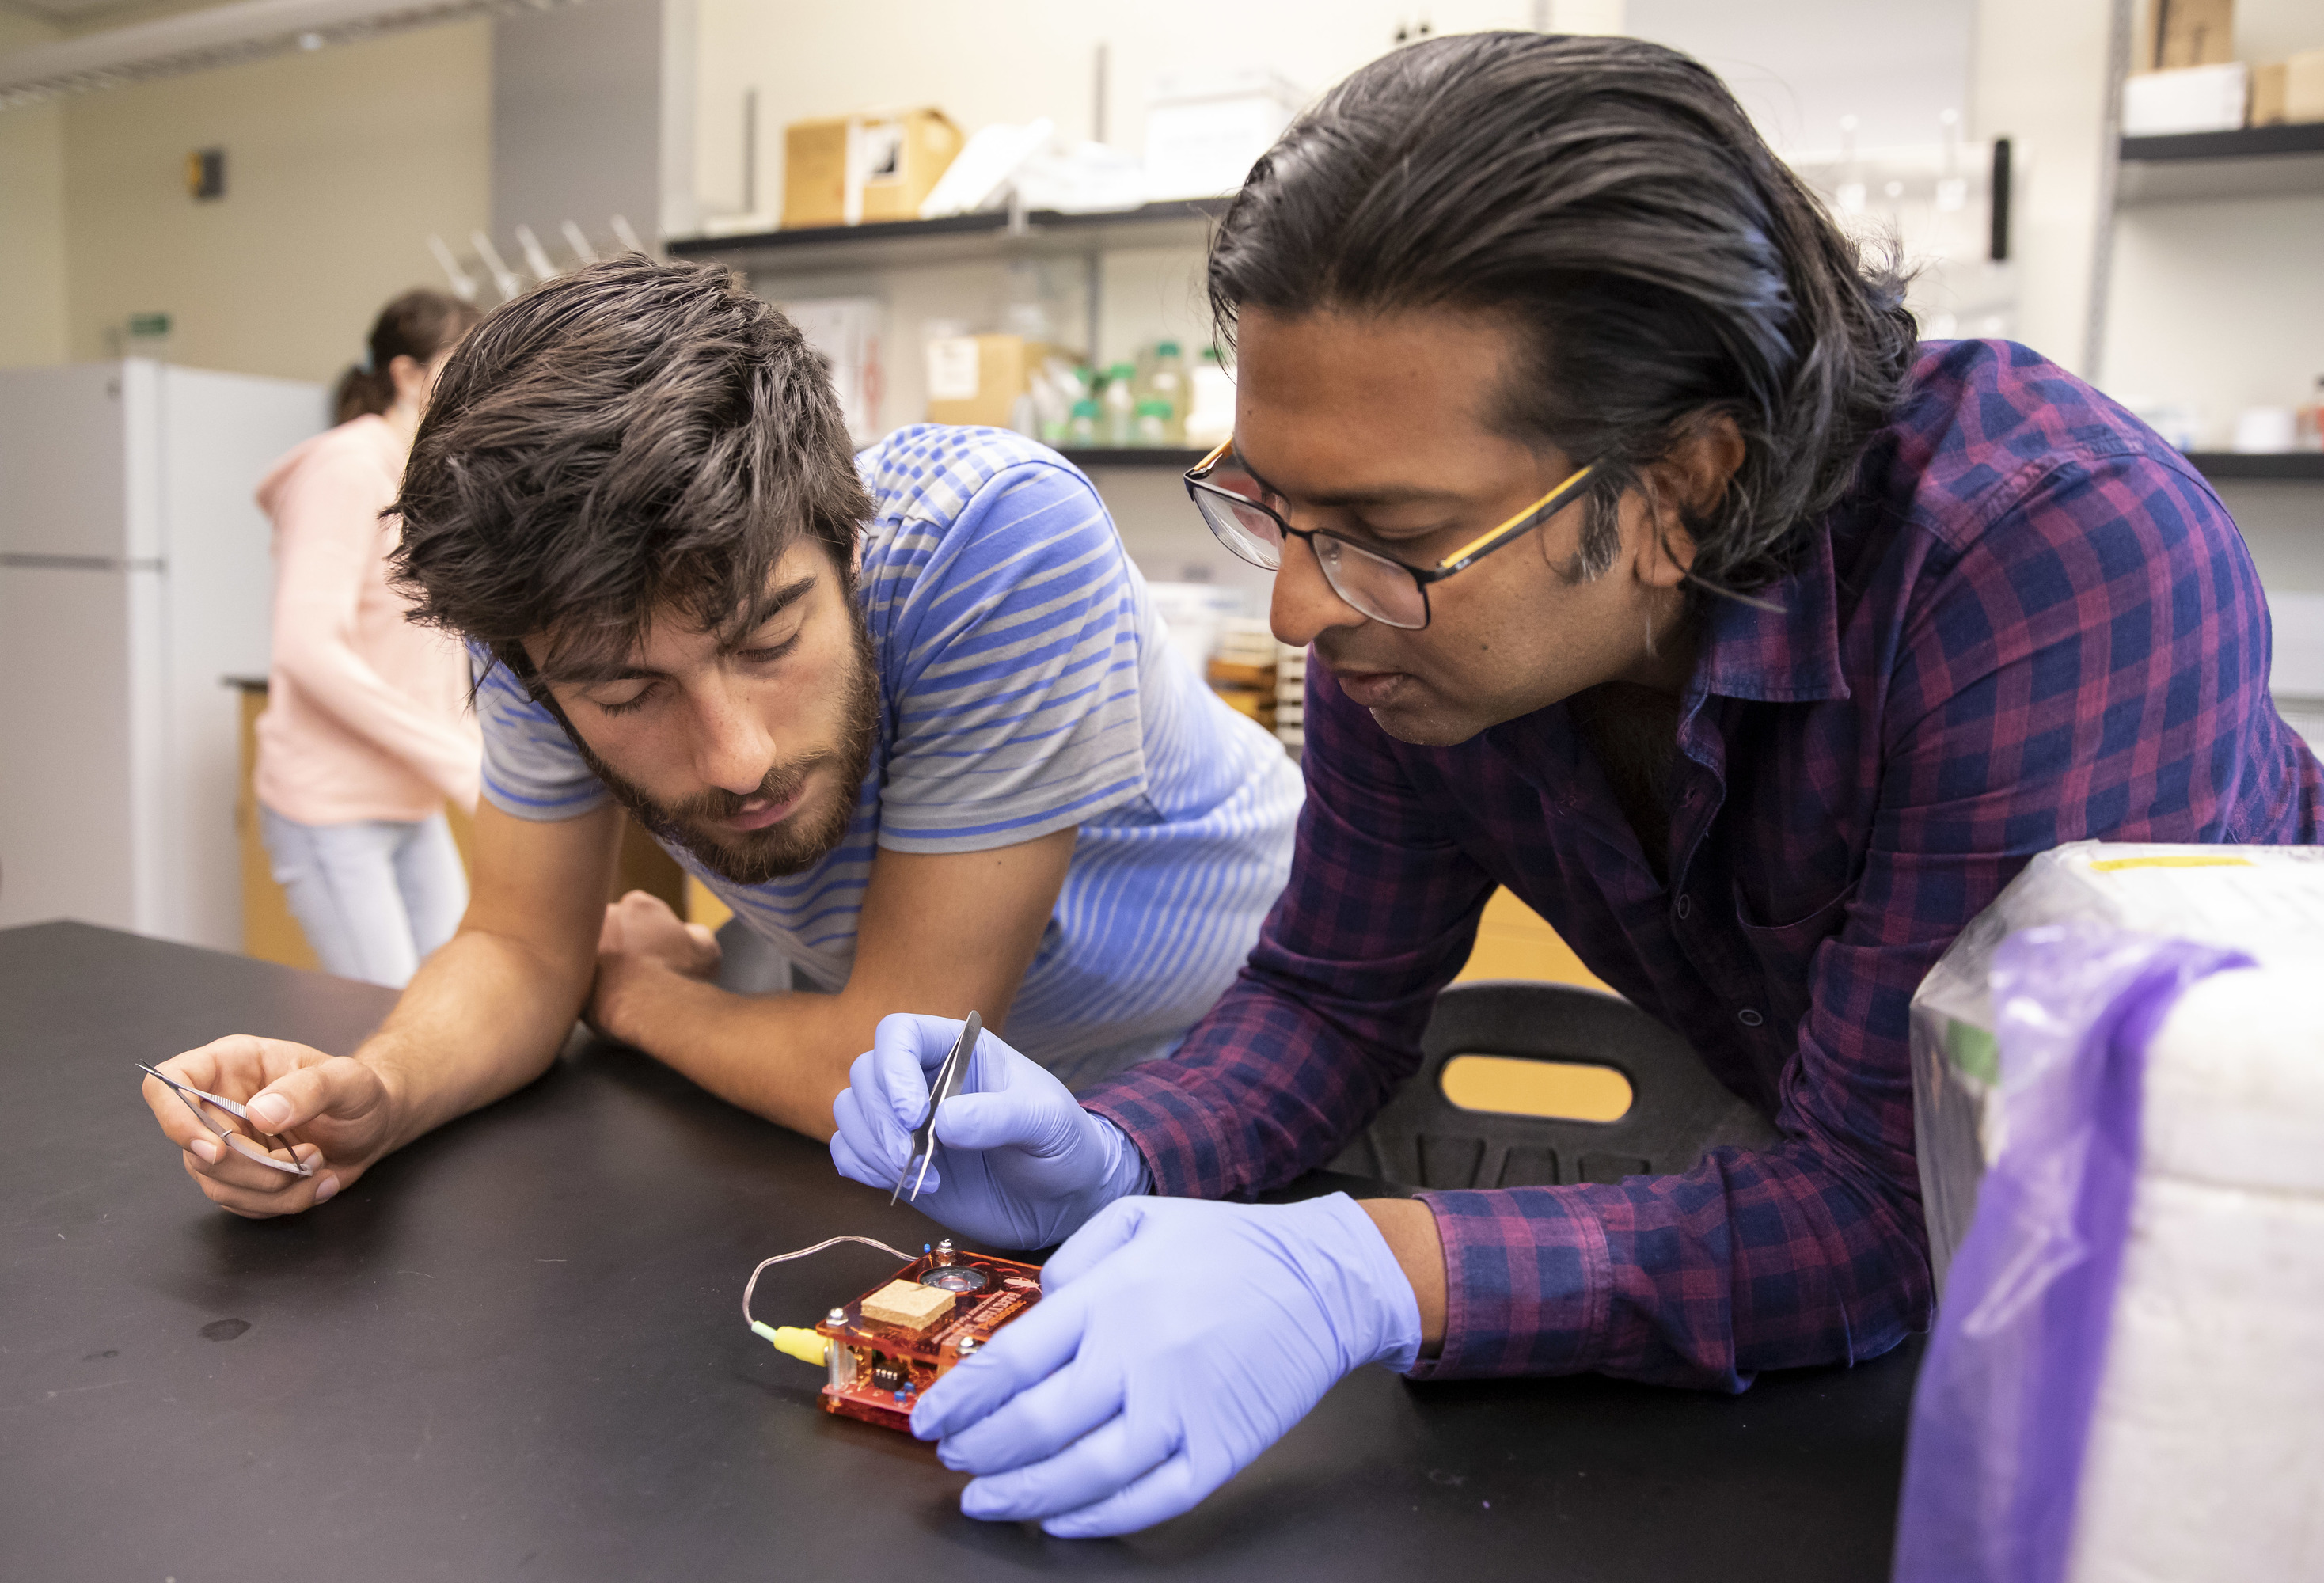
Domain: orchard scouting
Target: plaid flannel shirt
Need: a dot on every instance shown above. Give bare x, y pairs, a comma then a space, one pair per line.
2031, 622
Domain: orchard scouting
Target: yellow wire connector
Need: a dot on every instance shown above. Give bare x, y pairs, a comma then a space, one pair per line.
804, 1345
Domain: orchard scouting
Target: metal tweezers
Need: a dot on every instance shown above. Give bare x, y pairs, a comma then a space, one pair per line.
924, 1136
196, 1098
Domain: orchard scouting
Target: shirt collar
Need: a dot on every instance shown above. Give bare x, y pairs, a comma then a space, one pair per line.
1786, 655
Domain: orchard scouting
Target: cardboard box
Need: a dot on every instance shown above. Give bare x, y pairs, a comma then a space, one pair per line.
2303, 87
2189, 32
854, 169
977, 379
2197, 98
2268, 83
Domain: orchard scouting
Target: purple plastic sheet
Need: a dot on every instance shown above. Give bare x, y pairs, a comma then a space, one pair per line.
2003, 1409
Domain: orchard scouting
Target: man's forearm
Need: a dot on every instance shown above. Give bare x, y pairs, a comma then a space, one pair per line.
483, 1017
784, 1056
938, 934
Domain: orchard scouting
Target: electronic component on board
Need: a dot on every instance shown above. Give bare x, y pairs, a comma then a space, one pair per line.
907, 1305
879, 1351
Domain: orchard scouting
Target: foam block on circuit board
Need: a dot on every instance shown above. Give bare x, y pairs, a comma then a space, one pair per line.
907, 1305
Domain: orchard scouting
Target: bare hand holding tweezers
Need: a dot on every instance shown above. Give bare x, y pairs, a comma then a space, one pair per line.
269, 1126
201, 1101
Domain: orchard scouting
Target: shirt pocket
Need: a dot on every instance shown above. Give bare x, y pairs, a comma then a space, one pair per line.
1782, 953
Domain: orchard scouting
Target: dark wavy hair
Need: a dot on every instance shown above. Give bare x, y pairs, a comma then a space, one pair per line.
629, 438
1662, 267
417, 324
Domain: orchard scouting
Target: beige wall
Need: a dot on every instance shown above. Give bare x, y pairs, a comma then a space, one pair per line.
339, 164
32, 219
2041, 75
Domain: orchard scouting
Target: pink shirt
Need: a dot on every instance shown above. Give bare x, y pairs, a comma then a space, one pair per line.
366, 714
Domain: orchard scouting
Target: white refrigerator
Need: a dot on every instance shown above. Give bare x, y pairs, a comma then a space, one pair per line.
136, 577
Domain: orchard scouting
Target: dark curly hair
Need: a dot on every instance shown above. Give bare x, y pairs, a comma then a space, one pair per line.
1663, 266
629, 438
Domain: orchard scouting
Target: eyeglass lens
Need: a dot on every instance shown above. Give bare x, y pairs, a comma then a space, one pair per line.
1375, 586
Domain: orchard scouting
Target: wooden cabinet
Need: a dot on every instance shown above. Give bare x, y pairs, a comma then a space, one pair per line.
269, 932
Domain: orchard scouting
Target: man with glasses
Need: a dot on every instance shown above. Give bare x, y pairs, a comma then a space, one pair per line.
1654, 572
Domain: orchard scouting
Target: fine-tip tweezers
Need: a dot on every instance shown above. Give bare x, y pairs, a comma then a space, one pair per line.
195, 1099
924, 1136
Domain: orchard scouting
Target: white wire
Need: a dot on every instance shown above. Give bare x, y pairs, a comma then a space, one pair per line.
751, 1284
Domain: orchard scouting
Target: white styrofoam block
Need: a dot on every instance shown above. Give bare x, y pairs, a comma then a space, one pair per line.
2205, 1457
2234, 1085
1206, 129
2268, 901
2193, 98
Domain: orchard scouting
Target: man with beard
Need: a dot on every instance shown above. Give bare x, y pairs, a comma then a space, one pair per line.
910, 714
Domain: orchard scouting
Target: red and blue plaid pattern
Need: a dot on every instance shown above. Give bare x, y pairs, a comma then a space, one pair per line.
2031, 623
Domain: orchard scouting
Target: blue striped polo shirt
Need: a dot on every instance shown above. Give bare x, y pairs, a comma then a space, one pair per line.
1026, 688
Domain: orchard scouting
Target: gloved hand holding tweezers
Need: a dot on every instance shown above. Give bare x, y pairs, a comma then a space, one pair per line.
945, 1083
1023, 1164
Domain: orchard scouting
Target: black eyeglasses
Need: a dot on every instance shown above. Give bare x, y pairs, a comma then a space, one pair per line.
1378, 586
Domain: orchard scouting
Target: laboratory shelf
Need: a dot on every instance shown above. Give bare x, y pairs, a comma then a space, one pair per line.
2305, 465
2255, 161
960, 238
1167, 457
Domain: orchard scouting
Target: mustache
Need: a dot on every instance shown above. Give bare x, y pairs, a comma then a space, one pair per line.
1334, 659
781, 782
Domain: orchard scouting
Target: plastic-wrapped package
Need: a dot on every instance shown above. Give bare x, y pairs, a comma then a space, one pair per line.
2002, 1417
2264, 900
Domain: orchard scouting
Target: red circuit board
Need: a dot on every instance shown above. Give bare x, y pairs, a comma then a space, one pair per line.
889, 1366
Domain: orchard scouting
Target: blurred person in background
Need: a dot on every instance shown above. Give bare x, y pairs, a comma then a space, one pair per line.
367, 732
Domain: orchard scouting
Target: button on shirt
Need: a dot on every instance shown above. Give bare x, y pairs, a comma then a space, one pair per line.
2030, 622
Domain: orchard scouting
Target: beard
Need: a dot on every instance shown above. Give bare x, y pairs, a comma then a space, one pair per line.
794, 845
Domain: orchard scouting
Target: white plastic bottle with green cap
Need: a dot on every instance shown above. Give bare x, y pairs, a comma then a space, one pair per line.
1210, 417
1120, 405
1169, 386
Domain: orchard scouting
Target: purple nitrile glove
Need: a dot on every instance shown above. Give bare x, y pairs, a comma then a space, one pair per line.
1133, 1389
1018, 1163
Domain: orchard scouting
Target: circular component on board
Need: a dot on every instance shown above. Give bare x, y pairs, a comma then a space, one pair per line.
956, 1278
